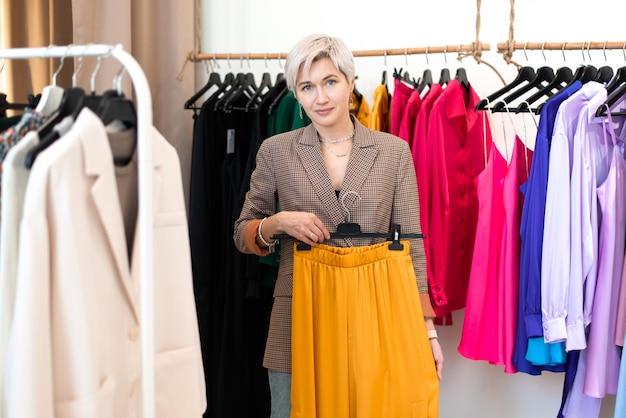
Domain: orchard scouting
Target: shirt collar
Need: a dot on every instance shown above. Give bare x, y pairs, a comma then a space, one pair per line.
461, 102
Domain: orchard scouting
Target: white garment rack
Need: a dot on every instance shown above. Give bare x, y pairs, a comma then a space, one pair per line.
145, 219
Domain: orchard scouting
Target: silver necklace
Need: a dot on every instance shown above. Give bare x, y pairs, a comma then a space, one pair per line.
335, 154
336, 141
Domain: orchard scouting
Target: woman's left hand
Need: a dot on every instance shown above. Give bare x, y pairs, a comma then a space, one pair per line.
437, 355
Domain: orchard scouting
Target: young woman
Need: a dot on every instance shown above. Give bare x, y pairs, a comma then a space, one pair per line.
363, 342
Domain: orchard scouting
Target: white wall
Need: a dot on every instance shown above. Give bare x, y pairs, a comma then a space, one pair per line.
469, 388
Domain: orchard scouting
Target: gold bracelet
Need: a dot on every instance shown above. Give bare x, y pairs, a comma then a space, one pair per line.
432, 334
271, 246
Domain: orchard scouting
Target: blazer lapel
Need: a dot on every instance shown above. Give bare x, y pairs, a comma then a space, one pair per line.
361, 161
309, 152
99, 166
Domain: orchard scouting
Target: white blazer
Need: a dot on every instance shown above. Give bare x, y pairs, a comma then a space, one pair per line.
74, 349
14, 181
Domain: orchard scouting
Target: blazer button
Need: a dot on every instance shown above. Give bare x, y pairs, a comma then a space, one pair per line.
133, 333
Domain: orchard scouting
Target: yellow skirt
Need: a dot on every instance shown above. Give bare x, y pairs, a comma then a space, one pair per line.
359, 342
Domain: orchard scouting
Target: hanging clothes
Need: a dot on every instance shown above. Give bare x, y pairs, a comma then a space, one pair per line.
532, 354
455, 146
479, 337
422, 165
380, 117
74, 348
401, 94
508, 272
360, 109
411, 110
604, 355
559, 293
233, 290
360, 328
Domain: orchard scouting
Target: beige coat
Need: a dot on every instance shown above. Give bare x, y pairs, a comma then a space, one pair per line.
74, 349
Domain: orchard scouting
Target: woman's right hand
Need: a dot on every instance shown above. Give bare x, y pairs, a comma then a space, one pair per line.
303, 226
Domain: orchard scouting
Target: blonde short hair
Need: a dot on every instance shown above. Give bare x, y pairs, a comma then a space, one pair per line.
316, 47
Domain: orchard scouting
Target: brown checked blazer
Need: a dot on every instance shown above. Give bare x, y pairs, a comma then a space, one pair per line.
290, 171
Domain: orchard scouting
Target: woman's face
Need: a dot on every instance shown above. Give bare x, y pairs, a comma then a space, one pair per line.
324, 93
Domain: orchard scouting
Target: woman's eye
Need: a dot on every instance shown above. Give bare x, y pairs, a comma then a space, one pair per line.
306, 88
331, 82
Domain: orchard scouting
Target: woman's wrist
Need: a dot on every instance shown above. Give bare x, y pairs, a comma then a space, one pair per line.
271, 245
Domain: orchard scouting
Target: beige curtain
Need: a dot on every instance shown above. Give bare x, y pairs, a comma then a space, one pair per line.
34, 23
158, 33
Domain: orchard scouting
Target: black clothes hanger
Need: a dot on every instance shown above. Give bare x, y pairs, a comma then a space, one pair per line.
543, 75
349, 229
246, 89
426, 81
235, 88
605, 74
562, 78
353, 230
582, 74
71, 105
214, 80
278, 98
618, 80
461, 77
613, 98
114, 106
589, 73
525, 74
405, 77
5, 105
444, 77
264, 87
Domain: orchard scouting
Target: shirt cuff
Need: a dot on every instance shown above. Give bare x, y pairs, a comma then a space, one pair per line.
533, 325
554, 330
249, 236
427, 308
575, 337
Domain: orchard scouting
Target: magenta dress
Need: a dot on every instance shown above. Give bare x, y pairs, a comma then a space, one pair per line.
479, 336
510, 247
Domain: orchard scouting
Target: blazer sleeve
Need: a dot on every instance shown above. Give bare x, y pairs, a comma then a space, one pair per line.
29, 381
406, 212
260, 202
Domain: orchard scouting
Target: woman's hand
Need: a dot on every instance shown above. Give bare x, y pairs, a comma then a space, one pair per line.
437, 355
303, 226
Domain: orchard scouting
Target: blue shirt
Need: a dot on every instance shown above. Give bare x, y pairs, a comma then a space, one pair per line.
539, 355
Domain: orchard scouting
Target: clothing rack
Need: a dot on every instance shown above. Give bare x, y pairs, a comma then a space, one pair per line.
145, 219
561, 46
464, 48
